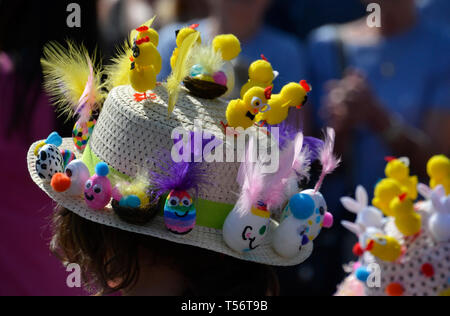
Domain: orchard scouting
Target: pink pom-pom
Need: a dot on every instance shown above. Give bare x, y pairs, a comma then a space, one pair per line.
328, 220
220, 78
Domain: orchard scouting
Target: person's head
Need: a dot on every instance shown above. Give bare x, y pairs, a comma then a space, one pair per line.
113, 260
240, 17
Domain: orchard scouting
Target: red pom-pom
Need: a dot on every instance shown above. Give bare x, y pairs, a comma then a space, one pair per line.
268, 93
194, 26
427, 270
142, 29
394, 289
357, 250
305, 86
60, 182
389, 158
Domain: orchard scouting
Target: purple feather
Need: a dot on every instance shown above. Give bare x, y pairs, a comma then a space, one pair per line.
182, 176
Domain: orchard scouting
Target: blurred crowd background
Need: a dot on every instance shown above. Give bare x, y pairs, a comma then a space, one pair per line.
385, 90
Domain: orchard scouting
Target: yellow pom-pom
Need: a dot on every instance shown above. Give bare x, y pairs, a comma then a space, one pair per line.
396, 169
228, 44
261, 71
385, 191
438, 167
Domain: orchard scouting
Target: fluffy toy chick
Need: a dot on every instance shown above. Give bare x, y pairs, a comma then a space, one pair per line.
146, 62
385, 247
385, 191
398, 169
292, 95
408, 222
260, 74
181, 36
242, 112
228, 45
438, 169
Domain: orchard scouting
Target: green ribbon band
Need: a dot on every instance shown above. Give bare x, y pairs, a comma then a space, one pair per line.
209, 214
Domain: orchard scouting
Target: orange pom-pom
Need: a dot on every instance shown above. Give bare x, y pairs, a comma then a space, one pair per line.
394, 289
60, 182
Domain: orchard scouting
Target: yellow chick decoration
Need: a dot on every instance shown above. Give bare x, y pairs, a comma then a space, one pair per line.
181, 36
385, 247
292, 95
385, 191
242, 112
146, 62
438, 169
398, 169
260, 74
408, 221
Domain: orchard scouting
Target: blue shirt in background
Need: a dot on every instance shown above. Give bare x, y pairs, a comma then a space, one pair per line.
285, 53
409, 74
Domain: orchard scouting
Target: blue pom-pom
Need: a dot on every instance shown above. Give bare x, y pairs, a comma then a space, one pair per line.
362, 274
302, 206
54, 139
102, 169
133, 201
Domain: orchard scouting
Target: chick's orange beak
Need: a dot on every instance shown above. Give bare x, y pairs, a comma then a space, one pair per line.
370, 245
61, 182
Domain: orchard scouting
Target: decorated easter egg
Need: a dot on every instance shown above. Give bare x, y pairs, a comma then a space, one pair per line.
245, 230
49, 162
302, 222
179, 213
98, 190
68, 156
73, 180
82, 132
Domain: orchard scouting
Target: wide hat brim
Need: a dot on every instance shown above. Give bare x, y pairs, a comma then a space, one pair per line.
203, 237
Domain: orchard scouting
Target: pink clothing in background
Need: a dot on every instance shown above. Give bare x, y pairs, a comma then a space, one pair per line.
26, 265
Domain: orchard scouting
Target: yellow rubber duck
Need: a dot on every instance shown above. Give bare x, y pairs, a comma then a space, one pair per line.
260, 74
398, 169
408, 222
292, 95
242, 112
146, 62
385, 191
438, 169
385, 247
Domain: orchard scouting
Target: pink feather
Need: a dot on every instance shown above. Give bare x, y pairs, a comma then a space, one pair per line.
87, 101
327, 158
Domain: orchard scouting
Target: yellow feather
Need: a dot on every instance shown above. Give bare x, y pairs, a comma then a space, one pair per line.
149, 23
210, 60
181, 70
66, 71
118, 73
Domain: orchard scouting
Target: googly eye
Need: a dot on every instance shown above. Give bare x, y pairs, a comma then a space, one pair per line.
256, 103
174, 201
69, 172
88, 184
97, 188
382, 241
186, 202
136, 50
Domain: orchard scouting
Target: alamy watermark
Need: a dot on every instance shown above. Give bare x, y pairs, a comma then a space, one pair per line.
74, 18
374, 18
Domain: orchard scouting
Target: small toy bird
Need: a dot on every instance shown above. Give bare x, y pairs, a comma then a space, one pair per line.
398, 169
292, 95
385, 247
181, 36
260, 74
385, 191
146, 62
243, 112
438, 170
408, 222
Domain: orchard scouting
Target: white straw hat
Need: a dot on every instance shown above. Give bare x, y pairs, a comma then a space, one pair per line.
128, 134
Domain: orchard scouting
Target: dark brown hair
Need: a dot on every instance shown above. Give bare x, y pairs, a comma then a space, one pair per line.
107, 254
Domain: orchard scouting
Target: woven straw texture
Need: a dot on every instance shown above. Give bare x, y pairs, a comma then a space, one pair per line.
129, 133
408, 272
